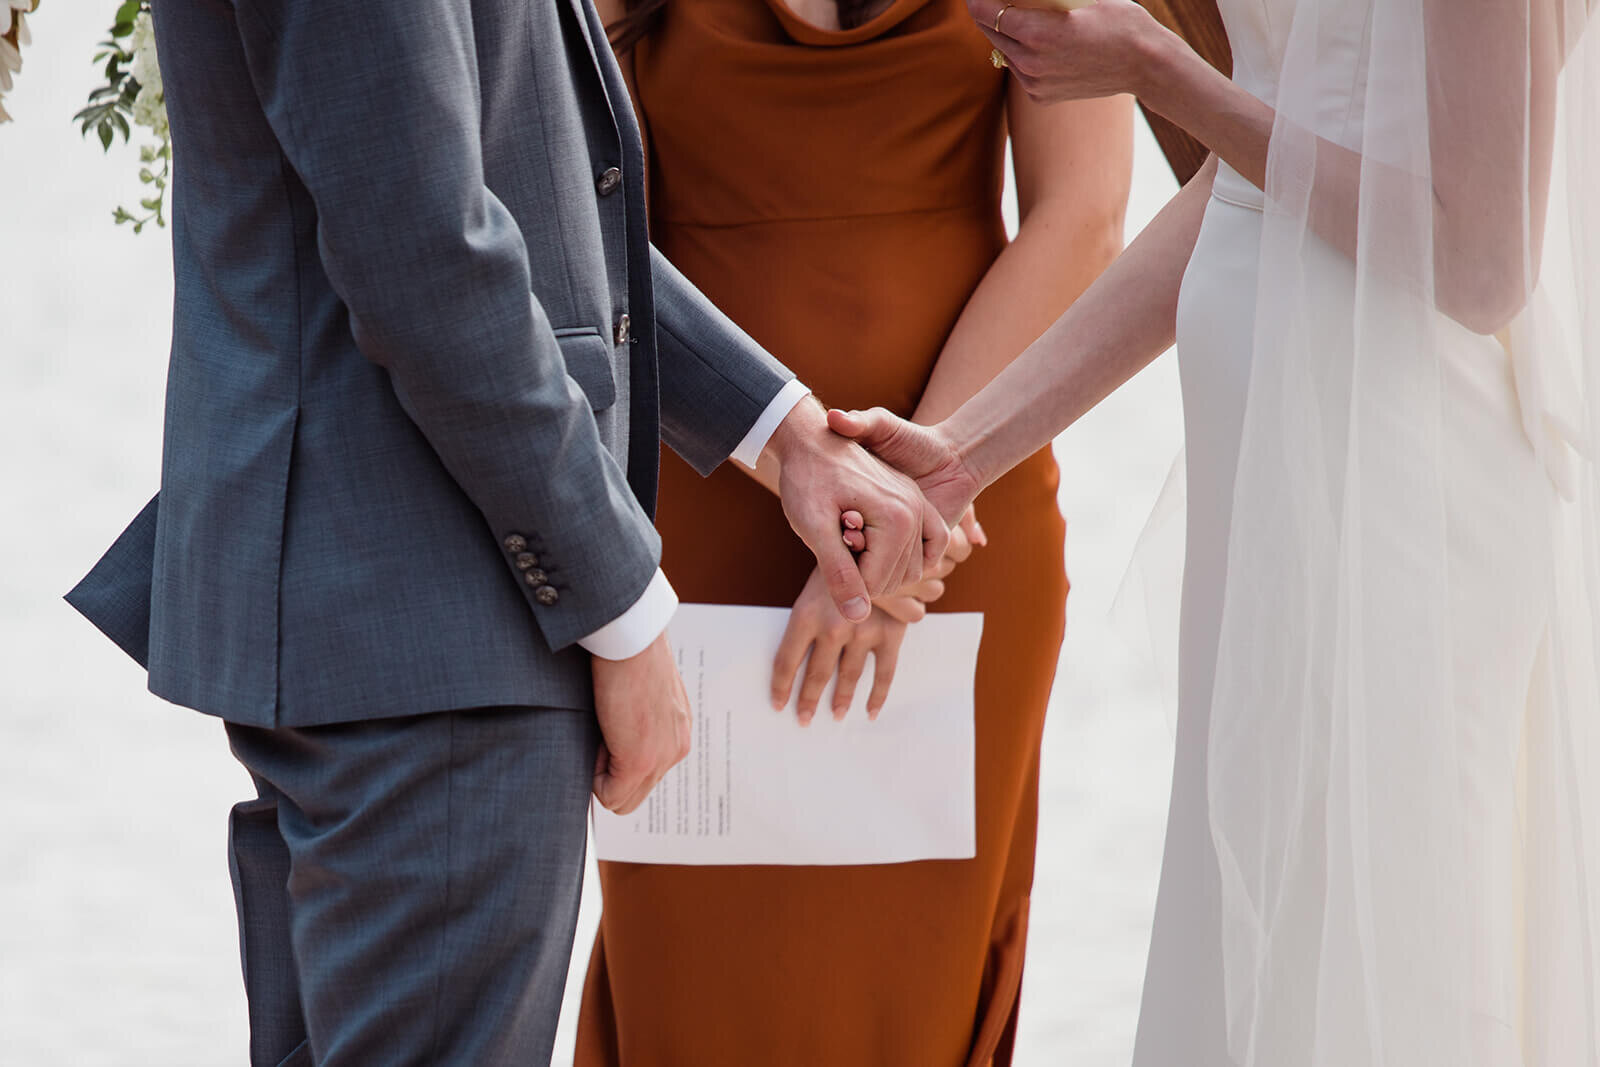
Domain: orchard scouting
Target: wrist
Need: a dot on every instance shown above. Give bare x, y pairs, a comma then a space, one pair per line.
801, 428
1155, 66
964, 470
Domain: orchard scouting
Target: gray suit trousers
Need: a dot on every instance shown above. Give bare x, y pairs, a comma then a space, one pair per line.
408, 888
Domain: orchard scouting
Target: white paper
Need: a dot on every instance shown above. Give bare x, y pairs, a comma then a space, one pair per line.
758, 788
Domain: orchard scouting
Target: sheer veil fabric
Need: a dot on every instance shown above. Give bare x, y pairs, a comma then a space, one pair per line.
1404, 751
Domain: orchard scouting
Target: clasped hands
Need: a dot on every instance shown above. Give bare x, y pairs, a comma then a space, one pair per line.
826, 644
877, 536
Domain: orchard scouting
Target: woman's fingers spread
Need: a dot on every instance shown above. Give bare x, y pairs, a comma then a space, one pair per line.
791, 654
884, 659
851, 664
819, 669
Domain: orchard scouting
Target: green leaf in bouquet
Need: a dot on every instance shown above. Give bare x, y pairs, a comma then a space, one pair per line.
150, 203
105, 136
128, 12
147, 154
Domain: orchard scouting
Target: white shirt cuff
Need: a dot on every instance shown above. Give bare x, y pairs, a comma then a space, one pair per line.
631, 633
749, 450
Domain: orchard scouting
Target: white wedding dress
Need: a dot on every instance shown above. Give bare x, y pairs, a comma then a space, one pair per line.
1381, 894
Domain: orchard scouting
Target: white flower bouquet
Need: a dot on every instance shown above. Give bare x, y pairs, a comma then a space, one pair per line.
132, 96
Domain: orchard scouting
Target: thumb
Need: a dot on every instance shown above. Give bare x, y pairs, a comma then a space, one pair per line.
868, 428
845, 584
886, 436
609, 787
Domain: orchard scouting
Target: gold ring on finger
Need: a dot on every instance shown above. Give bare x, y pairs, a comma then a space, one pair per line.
998, 15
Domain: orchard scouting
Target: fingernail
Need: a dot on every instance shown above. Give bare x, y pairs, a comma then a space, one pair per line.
855, 609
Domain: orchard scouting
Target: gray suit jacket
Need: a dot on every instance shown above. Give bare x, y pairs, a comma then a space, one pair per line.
423, 356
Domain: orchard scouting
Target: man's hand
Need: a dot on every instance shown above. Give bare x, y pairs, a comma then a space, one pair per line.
923, 452
822, 477
644, 724
910, 603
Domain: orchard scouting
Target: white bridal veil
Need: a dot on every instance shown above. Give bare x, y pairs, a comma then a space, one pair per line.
1404, 758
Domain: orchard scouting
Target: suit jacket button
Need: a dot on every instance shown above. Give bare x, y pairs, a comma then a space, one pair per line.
516, 543
624, 331
609, 180
526, 560
546, 595
536, 578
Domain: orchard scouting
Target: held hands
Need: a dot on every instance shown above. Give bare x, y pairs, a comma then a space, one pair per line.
824, 476
1098, 50
825, 643
924, 453
644, 724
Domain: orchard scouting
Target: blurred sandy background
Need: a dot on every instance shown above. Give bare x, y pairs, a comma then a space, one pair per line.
117, 938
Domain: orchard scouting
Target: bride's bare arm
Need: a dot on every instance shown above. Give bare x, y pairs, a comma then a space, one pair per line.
1482, 54
1123, 320
1073, 165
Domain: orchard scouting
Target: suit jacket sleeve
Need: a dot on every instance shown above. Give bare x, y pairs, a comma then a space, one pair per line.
376, 107
715, 380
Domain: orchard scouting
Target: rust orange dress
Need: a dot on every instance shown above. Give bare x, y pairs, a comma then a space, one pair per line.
838, 194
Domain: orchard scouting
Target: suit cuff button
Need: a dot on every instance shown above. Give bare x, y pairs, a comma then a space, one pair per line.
526, 561
515, 543
536, 578
546, 595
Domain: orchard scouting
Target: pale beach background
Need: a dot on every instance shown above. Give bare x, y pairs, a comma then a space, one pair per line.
117, 938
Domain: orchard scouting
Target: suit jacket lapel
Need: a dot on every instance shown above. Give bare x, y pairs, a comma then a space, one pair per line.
580, 10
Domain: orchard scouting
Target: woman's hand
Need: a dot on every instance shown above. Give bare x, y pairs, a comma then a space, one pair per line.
926, 453
1106, 48
827, 643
